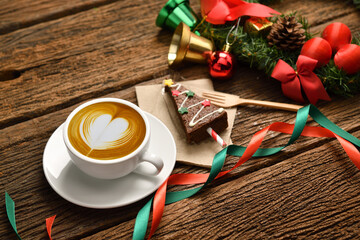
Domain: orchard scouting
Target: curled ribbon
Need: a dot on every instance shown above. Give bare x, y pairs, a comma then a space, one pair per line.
328, 129
10, 211
49, 223
292, 81
349, 143
220, 11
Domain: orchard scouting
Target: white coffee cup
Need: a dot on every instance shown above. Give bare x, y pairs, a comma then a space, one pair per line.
113, 168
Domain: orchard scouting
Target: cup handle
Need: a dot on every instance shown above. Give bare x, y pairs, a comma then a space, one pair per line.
155, 160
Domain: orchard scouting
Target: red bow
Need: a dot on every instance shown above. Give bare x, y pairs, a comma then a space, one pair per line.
220, 11
290, 80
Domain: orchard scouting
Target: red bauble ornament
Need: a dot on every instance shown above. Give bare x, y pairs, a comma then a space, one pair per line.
221, 65
337, 34
319, 49
348, 58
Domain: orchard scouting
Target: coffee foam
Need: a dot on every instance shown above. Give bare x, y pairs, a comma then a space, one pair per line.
106, 130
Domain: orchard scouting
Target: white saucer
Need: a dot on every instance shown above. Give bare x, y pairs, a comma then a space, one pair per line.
79, 188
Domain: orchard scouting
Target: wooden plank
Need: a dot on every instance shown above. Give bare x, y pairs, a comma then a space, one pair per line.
63, 57
317, 12
313, 199
65, 61
22, 176
45, 125
27, 149
35, 200
351, 20
14, 15
250, 118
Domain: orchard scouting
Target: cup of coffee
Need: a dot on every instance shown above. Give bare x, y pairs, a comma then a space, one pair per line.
108, 137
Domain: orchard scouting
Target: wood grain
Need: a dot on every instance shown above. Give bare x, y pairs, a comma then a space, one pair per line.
351, 20
293, 199
64, 56
62, 67
28, 139
78, 57
14, 15
316, 12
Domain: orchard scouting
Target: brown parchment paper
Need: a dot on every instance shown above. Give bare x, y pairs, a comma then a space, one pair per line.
152, 100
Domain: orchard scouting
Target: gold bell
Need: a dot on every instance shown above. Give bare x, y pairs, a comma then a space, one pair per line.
188, 46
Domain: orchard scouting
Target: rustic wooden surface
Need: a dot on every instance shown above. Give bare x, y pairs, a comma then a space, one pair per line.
54, 55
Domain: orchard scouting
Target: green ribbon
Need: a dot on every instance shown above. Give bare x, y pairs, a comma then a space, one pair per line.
218, 162
10, 211
234, 150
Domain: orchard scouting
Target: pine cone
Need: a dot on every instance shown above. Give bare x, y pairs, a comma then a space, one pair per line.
287, 34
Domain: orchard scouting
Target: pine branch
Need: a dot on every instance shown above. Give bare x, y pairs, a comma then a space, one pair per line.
255, 51
357, 3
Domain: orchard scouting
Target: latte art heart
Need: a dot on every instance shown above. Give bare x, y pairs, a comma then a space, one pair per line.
103, 132
106, 130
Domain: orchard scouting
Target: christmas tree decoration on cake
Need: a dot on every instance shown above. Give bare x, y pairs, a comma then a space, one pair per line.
287, 34
348, 58
174, 12
183, 110
190, 93
319, 49
168, 82
196, 113
188, 46
337, 34
175, 93
349, 143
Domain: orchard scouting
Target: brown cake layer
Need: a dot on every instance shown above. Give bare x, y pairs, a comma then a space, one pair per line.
217, 121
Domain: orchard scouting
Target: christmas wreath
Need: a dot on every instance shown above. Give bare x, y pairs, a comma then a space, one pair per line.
280, 45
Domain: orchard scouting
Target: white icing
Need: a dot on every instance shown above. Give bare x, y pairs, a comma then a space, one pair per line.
192, 123
178, 85
195, 104
182, 104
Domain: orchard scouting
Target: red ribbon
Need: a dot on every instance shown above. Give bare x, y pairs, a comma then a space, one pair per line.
49, 223
292, 81
220, 11
255, 142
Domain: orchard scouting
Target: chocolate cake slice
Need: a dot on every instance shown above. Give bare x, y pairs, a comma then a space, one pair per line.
196, 113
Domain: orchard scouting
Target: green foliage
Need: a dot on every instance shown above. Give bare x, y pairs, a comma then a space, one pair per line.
357, 3
337, 81
255, 51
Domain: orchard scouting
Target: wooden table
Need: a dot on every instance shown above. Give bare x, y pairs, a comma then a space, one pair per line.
54, 55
